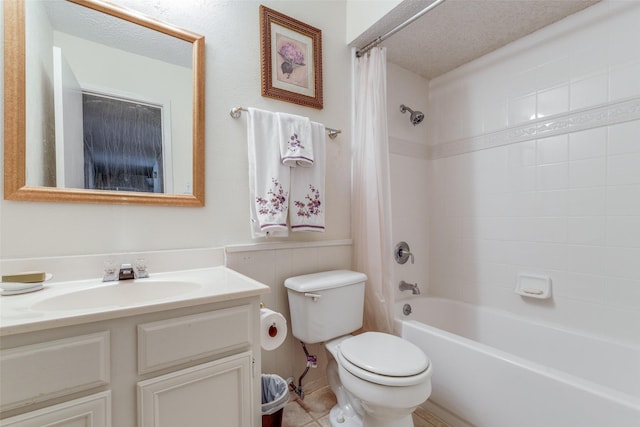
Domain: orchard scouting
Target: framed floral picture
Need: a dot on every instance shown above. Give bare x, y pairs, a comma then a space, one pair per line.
291, 54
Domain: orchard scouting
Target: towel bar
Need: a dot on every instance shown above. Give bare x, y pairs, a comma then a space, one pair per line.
236, 112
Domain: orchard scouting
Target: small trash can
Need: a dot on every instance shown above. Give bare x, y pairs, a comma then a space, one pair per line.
275, 395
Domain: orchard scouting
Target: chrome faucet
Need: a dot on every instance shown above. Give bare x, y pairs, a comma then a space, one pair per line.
126, 271
413, 287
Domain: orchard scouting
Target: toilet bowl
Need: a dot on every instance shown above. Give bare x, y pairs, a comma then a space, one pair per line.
382, 379
378, 378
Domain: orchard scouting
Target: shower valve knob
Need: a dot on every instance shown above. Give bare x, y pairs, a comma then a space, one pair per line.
402, 253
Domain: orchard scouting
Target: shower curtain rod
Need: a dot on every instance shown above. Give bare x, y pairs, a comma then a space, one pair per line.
236, 112
366, 48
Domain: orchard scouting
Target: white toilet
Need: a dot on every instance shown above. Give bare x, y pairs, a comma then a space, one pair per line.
378, 379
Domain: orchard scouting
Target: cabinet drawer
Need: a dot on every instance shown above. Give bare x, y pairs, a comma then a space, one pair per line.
35, 373
172, 342
90, 411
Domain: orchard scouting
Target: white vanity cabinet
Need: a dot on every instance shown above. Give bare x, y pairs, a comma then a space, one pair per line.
217, 392
191, 366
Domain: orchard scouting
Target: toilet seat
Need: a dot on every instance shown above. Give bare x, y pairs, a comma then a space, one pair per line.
384, 359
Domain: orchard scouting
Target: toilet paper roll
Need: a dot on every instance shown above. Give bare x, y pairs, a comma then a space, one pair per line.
273, 329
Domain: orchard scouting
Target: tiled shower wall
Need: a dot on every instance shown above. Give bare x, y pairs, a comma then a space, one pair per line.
535, 168
409, 170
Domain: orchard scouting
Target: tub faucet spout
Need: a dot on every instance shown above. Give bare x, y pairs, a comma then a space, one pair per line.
413, 287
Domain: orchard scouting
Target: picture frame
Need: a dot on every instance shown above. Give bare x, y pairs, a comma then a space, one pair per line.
291, 56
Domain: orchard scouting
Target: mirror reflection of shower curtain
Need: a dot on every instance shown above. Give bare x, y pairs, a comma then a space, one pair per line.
122, 145
371, 192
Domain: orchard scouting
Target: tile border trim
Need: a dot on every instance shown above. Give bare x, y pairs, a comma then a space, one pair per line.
558, 124
406, 148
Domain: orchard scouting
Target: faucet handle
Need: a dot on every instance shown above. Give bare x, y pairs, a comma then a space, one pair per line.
402, 253
140, 268
110, 271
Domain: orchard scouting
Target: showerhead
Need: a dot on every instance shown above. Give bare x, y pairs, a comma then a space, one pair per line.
416, 116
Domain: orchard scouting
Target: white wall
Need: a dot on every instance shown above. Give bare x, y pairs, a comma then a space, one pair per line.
533, 173
39, 97
232, 67
362, 14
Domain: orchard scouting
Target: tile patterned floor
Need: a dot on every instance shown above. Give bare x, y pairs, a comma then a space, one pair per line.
313, 411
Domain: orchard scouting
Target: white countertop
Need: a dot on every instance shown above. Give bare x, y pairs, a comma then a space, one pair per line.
29, 312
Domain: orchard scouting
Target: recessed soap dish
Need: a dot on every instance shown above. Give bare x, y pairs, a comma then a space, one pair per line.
533, 286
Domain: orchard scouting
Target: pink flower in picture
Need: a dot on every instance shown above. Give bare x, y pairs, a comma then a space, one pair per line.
291, 60
291, 54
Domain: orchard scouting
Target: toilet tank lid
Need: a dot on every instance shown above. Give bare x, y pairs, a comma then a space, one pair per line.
324, 280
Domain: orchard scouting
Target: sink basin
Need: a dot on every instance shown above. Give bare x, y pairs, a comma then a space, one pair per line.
117, 294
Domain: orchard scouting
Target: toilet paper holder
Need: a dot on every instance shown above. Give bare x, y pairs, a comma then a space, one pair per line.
273, 328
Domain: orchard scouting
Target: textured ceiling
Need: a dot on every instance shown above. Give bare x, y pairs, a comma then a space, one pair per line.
118, 33
452, 34
459, 31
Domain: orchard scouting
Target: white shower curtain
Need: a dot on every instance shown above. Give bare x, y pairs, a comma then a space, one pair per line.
371, 195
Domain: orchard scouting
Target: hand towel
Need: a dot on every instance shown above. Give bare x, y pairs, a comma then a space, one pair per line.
296, 146
308, 209
269, 179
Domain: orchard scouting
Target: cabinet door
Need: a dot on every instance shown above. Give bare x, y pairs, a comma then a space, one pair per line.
90, 411
212, 394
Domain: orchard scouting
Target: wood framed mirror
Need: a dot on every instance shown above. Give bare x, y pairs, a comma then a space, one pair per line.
48, 159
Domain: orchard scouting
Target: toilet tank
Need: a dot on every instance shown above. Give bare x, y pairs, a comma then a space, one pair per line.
325, 305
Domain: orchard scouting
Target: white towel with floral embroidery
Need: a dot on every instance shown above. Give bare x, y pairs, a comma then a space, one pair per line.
269, 179
296, 144
307, 208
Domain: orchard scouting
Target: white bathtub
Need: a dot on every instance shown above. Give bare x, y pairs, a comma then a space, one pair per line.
494, 369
